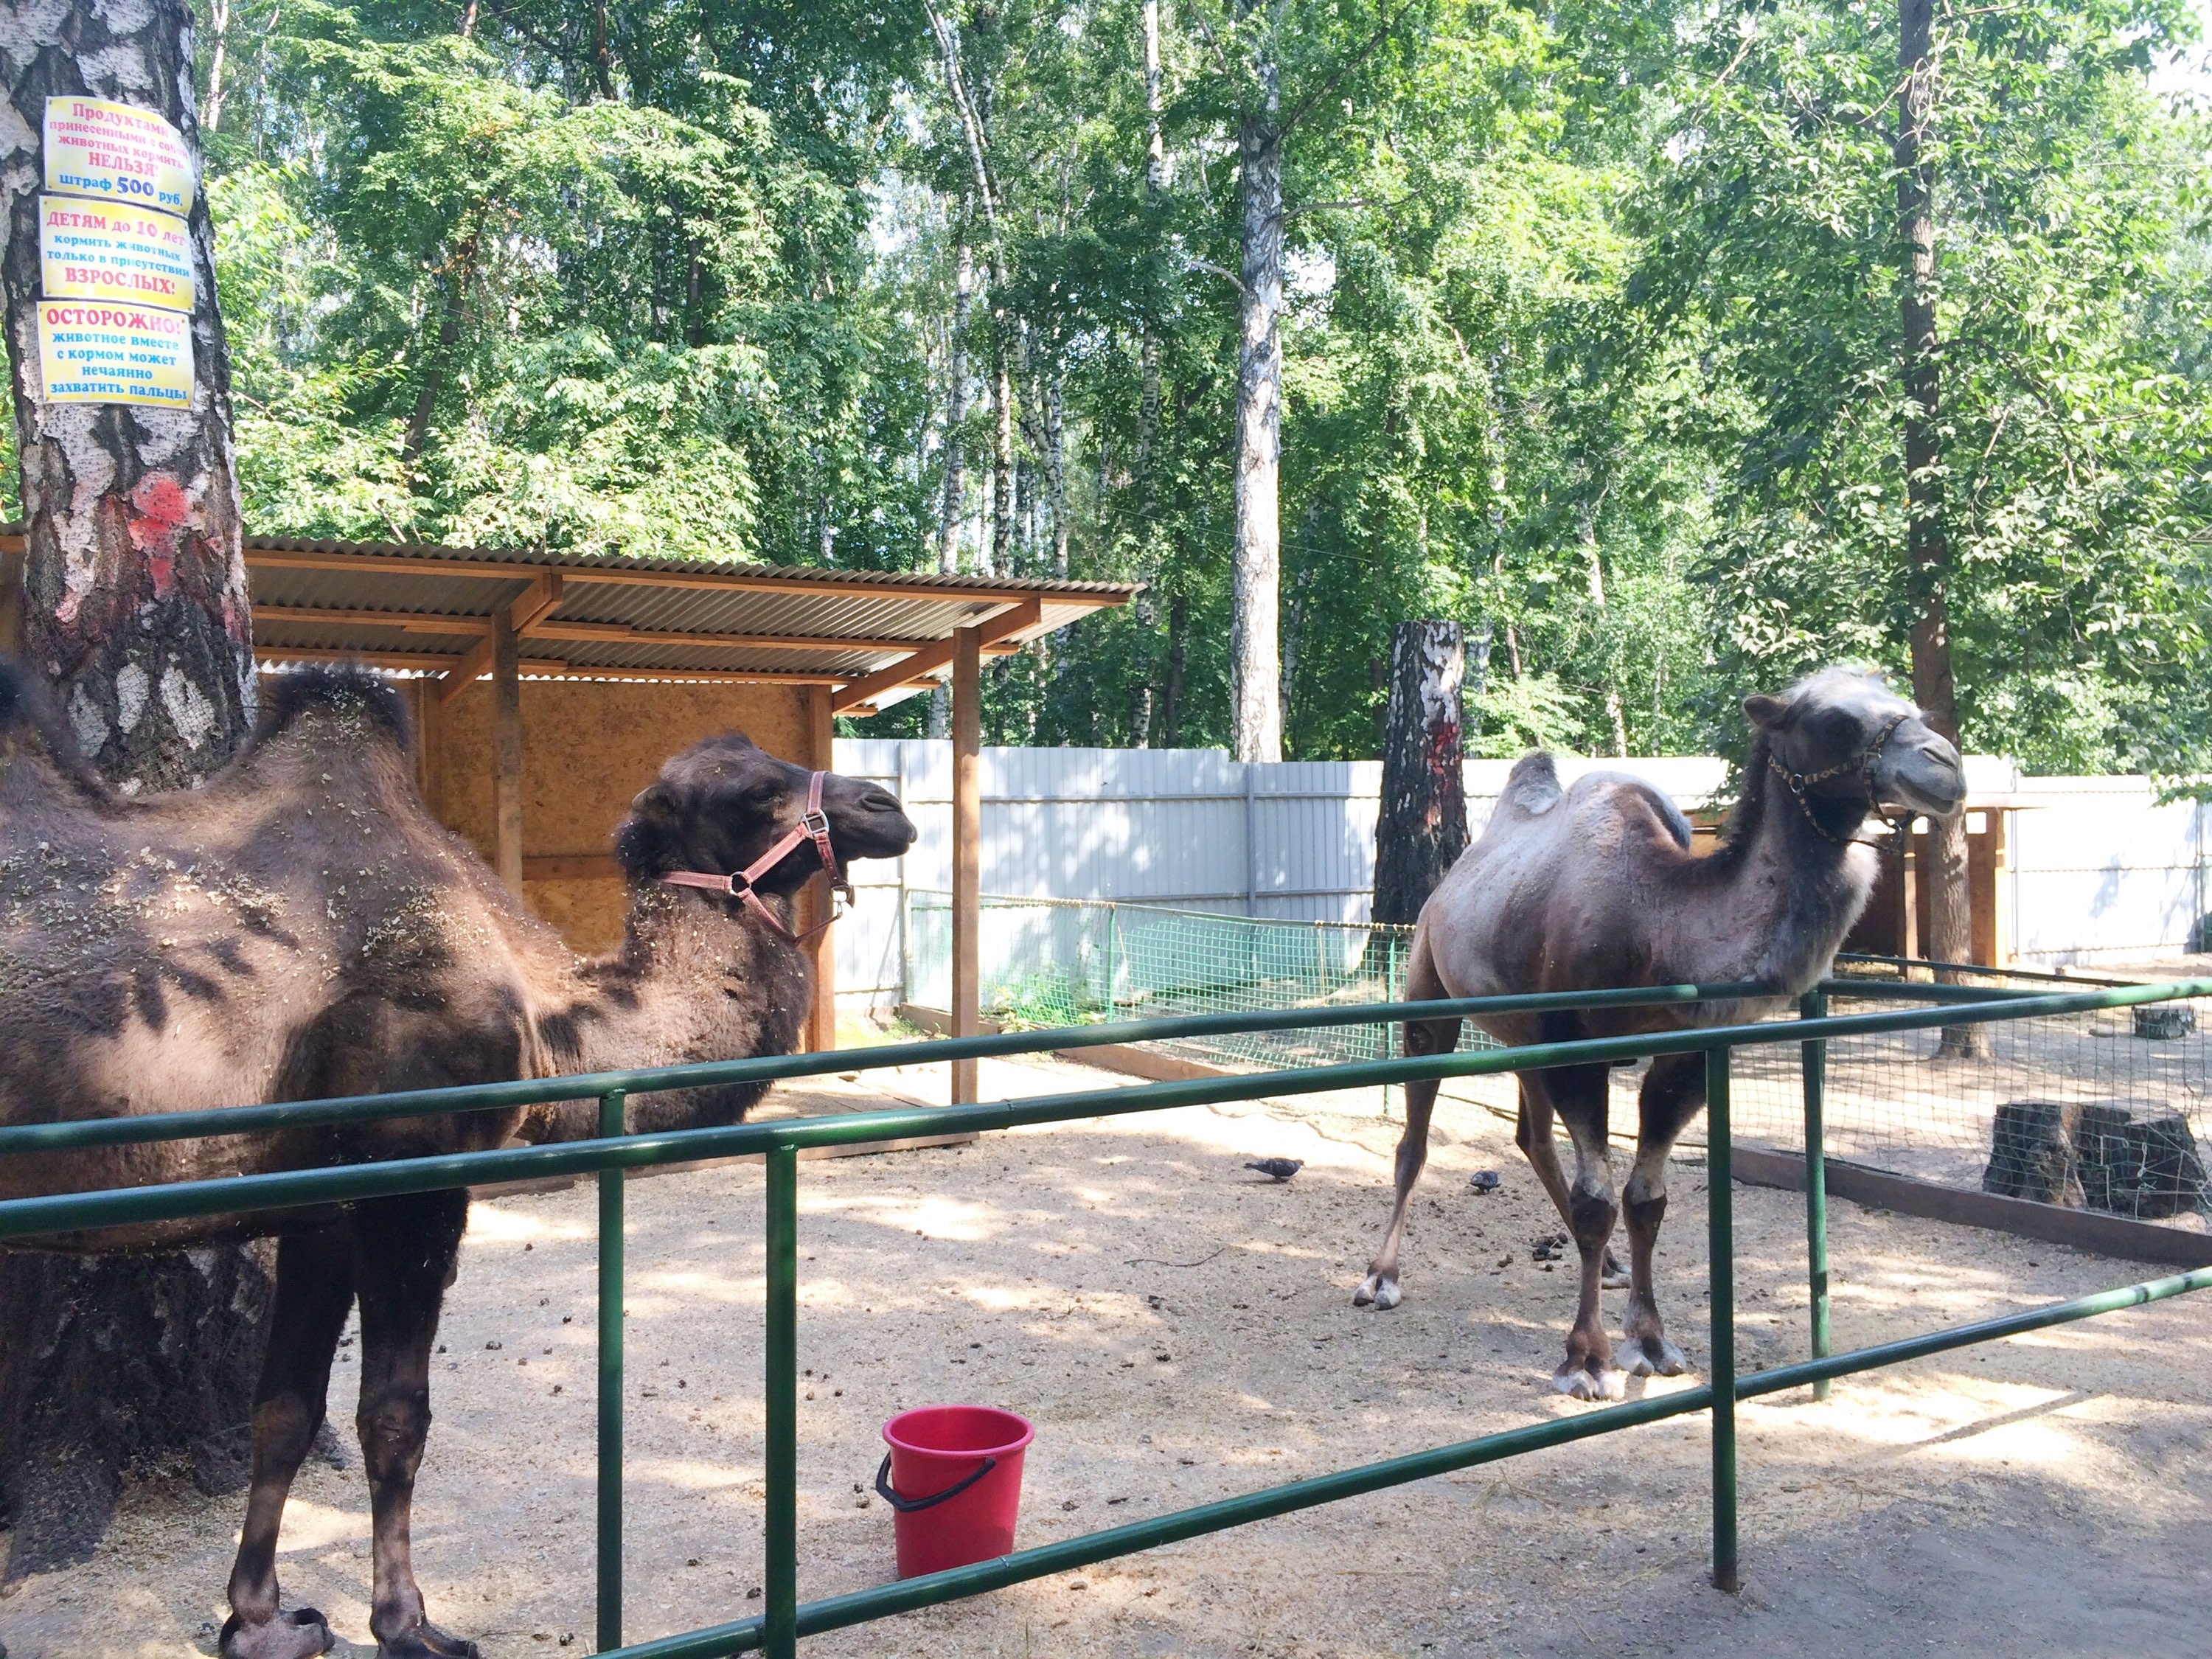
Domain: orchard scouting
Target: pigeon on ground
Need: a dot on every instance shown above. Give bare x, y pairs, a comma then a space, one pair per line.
1484, 1180
1281, 1167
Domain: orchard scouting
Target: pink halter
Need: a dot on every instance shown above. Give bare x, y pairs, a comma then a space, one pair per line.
813, 825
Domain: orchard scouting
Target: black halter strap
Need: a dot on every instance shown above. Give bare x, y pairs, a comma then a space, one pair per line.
1799, 783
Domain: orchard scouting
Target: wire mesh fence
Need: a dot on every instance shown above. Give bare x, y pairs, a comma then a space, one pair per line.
2105, 1110
1060, 962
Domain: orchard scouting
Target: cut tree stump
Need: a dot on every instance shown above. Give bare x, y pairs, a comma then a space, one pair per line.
2097, 1155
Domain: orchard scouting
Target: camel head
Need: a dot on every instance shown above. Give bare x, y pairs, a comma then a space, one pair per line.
1847, 736
722, 803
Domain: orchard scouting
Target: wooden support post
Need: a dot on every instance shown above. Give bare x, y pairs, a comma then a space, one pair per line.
967, 851
506, 752
822, 1019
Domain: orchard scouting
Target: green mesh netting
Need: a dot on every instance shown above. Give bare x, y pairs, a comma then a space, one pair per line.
1059, 962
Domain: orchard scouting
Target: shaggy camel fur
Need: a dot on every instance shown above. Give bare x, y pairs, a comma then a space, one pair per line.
1596, 886
300, 927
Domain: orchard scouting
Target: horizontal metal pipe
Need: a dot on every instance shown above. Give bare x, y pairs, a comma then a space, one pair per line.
285, 1189
838, 1611
1975, 967
528, 1091
1906, 990
1784, 1377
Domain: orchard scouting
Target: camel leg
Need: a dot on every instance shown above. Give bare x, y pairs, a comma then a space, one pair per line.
314, 1288
1673, 1093
1426, 1036
1532, 1133
407, 1248
1578, 1094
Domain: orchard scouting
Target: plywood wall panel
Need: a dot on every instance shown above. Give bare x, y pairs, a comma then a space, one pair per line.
587, 748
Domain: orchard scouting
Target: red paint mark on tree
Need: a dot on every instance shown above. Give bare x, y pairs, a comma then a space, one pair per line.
159, 508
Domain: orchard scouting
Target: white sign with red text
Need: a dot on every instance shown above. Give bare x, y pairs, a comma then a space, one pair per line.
118, 153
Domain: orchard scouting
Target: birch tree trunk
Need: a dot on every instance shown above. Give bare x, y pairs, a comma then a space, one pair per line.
1255, 712
1928, 552
1423, 825
134, 608
1002, 462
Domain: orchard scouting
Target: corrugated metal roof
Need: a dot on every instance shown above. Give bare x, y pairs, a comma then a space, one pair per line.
416, 605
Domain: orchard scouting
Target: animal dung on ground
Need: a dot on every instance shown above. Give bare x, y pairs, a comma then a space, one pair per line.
1550, 1248
1282, 1168
1484, 1180
2165, 1019
2095, 1155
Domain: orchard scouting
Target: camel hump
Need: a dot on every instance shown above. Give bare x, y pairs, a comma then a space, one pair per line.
1533, 785
349, 695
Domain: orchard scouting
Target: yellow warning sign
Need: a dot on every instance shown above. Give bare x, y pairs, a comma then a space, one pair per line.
119, 153
91, 251
114, 354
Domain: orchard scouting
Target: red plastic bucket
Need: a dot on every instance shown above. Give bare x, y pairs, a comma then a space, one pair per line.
953, 1478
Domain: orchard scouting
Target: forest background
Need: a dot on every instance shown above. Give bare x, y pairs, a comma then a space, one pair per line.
1589, 329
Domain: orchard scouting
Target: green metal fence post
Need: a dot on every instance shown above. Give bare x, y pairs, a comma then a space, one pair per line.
1720, 1240
611, 1383
1815, 1006
780, 1620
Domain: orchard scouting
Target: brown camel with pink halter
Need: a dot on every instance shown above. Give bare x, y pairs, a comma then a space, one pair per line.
1596, 886
300, 928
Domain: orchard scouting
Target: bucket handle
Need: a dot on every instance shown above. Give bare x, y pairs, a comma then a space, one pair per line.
908, 1505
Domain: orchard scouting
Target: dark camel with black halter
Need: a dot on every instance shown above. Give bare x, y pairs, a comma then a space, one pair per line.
1596, 886
300, 927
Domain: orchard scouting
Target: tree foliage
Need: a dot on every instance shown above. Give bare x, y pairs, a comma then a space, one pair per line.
1593, 340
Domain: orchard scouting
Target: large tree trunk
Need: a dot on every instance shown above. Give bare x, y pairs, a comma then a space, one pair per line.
1256, 714
1423, 825
1950, 926
135, 607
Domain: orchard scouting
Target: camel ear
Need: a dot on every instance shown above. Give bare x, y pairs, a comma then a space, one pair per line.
1762, 710
647, 842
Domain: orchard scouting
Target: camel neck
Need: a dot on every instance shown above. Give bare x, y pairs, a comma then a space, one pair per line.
693, 981
1809, 885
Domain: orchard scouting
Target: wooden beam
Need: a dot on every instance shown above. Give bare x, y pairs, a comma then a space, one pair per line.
623, 633
2092, 1230
546, 667
488, 570
534, 601
472, 667
506, 754
1012, 620
535, 604
407, 622
266, 653
822, 1017
967, 851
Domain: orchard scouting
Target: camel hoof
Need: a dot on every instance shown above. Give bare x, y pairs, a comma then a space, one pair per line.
300, 1634
1651, 1355
1377, 1292
1612, 1275
1582, 1382
426, 1641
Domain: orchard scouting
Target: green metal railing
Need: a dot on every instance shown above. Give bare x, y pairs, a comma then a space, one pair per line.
785, 1618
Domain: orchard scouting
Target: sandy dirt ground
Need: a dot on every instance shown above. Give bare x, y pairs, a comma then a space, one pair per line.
1180, 1329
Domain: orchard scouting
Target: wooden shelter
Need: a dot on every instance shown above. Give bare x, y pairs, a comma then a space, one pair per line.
548, 687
